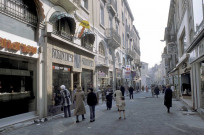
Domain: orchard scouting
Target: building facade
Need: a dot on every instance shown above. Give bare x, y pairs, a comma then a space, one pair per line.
87, 43
184, 35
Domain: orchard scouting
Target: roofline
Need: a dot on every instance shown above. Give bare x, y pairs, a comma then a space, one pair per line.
129, 10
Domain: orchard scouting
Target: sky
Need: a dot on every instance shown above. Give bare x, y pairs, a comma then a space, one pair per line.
150, 19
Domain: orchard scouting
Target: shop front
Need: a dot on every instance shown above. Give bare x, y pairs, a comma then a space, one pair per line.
18, 79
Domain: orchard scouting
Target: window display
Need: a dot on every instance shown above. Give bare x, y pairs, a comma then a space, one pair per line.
16, 87
202, 83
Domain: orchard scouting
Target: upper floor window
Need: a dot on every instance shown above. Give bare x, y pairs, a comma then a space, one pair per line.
183, 44
102, 15
122, 17
198, 10
123, 61
84, 4
101, 49
123, 40
110, 22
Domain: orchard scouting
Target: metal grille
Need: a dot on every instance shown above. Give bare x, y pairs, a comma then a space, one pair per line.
18, 10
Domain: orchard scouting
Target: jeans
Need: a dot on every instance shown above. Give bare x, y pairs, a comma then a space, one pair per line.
131, 95
92, 112
67, 110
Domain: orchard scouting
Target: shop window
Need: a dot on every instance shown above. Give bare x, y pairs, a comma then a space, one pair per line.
61, 76
16, 87
202, 83
87, 79
101, 49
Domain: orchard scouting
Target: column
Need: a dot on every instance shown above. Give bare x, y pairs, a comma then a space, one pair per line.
72, 81
114, 71
79, 78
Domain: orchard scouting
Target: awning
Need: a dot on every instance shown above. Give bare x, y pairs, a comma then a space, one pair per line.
90, 36
70, 19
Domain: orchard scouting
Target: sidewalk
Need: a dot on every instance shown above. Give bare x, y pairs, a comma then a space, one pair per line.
145, 116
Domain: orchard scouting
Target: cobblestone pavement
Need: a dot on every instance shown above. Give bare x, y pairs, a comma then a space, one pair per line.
145, 116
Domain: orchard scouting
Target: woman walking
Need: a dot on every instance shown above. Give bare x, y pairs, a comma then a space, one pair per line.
118, 95
122, 108
109, 98
79, 99
168, 98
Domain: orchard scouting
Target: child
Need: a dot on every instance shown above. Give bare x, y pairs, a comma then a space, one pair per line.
122, 107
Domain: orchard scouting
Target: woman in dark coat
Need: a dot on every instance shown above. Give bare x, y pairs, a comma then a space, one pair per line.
109, 98
156, 91
168, 98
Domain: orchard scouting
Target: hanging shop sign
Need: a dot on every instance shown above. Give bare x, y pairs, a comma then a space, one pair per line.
84, 24
128, 71
57, 54
16, 46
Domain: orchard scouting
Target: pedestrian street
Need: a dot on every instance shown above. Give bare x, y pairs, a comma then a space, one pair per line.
145, 115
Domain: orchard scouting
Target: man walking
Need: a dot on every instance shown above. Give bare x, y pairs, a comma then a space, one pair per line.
122, 88
131, 92
168, 98
92, 101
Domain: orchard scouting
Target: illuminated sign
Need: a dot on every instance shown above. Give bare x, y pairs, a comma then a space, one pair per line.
16, 46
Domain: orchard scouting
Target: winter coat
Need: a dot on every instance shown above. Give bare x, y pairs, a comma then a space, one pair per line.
168, 98
118, 95
122, 90
65, 97
122, 106
156, 91
131, 90
91, 99
109, 98
79, 99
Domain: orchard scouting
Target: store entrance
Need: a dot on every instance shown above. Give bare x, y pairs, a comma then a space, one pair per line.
76, 80
186, 84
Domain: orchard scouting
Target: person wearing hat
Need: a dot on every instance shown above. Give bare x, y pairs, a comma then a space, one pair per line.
66, 102
92, 101
79, 99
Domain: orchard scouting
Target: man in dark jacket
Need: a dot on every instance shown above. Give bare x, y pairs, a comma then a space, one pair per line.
168, 98
92, 101
131, 92
156, 91
122, 88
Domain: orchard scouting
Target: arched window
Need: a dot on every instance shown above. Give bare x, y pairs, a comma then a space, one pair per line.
101, 49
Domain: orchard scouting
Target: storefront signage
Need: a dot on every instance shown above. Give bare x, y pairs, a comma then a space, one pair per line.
87, 62
197, 52
128, 72
16, 46
57, 54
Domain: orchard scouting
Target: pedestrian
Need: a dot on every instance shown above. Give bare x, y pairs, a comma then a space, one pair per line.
131, 92
92, 101
152, 90
146, 89
109, 98
122, 108
65, 102
79, 99
168, 98
122, 88
118, 95
156, 91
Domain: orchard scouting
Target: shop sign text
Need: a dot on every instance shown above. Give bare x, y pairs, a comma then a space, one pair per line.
16, 46
57, 54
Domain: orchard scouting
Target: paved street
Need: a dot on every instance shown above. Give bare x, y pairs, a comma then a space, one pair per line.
145, 116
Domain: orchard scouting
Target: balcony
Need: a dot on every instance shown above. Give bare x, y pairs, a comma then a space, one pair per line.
18, 10
112, 7
63, 35
113, 38
130, 54
69, 5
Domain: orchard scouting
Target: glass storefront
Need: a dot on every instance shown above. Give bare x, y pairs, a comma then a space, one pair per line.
17, 89
61, 76
87, 79
202, 83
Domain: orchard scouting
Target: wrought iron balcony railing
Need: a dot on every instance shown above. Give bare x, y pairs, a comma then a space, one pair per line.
17, 10
113, 36
63, 35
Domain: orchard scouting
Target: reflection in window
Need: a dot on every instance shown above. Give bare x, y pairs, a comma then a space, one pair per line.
197, 13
